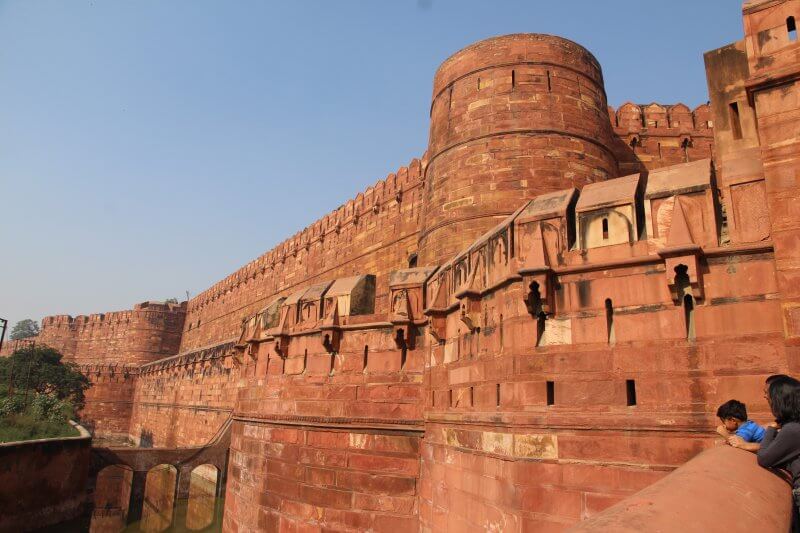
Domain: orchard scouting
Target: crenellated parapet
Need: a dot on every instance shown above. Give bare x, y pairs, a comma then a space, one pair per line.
149, 331
655, 135
342, 223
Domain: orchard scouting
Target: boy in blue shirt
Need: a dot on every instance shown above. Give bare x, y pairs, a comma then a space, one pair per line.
737, 429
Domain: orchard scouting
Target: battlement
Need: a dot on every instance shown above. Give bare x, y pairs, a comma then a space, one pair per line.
388, 191
635, 118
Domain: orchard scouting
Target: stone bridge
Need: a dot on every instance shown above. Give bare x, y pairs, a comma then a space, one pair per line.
143, 460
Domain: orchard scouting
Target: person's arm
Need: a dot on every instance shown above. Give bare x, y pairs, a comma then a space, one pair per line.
738, 442
781, 447
723, 432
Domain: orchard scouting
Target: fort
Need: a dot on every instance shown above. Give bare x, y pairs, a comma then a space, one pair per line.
529, 323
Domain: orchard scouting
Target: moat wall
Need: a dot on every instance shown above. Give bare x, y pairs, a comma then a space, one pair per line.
44, 481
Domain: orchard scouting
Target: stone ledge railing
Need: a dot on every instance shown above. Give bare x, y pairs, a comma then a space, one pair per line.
43, 481
722, 489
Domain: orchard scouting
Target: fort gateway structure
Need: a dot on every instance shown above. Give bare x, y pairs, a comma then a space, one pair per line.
531, 322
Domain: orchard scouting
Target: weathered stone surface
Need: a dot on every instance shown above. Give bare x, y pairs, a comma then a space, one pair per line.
564, 343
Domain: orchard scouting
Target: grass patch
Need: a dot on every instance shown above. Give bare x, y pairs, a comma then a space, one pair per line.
34, 416
25, 426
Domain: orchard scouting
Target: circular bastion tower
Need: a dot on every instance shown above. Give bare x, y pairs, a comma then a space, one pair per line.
512, 117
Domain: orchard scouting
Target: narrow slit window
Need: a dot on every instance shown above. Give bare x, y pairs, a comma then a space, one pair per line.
549, 85
497, 395
791, 29
500, 327
513, 79
479, 83
688, 312
605, 229
450, 397
630, 389
736, 122
610, 320
540, 328
551, 393
366, 357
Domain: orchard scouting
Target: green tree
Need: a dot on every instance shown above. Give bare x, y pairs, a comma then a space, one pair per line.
24, 329
41, 369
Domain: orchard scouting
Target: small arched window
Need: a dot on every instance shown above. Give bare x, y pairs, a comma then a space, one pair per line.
605, 229
791, 29
412, 261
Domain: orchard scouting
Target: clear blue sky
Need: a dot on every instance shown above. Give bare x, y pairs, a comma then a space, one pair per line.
151, 147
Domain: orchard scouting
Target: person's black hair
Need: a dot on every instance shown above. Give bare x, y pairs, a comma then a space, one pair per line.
733, 409
773, 377
784, 399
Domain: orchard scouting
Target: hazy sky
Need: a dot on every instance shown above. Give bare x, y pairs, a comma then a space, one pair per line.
149, 148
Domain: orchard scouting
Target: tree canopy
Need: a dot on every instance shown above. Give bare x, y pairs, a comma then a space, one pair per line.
24, 329
41, 369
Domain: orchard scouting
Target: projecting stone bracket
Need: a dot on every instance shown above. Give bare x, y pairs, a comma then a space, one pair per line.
683, 271
469, 304
539, 284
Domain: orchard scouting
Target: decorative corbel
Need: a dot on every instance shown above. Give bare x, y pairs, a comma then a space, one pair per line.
469, 308
538, 285
682, 257
683, 271
402, 318
330, 327
280, 334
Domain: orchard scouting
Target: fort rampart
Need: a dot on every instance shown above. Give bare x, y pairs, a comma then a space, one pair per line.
533, 321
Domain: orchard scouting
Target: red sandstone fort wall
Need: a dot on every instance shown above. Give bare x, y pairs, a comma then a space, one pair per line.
374, 233
567, 356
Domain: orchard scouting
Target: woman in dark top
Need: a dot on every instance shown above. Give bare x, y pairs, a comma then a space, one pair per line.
781, 445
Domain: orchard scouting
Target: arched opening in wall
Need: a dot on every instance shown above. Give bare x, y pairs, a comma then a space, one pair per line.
112, 493
401, 342
540, 328
685, 144
683, 285
688, 316
791, 29
534, 299
735, 120
412, 260
605, 229
610, 321
159, 498
634, 143
203, 504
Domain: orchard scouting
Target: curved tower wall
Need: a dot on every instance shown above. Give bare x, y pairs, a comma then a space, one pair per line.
512, 117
